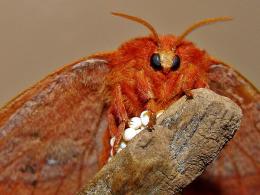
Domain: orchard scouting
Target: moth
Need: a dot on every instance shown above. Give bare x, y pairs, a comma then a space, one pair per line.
57, 134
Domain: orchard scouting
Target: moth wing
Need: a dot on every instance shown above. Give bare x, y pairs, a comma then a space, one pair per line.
50, 135
237, 169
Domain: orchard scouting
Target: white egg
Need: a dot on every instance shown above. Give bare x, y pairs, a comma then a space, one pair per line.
112, 141
122, 145
159, 113
145, 117
135, 123
129, 134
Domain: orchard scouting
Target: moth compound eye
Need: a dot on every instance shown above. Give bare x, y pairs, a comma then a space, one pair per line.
156, 61
176, 62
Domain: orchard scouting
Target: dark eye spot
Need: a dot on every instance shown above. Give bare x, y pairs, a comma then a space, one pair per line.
156, 61
176, 62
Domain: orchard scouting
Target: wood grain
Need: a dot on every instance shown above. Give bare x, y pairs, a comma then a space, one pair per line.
166, 158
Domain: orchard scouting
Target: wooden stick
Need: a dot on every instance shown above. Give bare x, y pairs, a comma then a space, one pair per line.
165, 159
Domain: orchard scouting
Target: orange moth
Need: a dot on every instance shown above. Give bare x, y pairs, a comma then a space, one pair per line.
55, 136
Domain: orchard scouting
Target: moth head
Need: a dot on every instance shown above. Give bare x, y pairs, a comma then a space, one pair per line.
167, 59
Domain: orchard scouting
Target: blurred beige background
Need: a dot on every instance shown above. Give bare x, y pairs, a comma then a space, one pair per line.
39, 36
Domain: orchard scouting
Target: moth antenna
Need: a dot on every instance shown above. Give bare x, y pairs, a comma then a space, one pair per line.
141, 21
199, 24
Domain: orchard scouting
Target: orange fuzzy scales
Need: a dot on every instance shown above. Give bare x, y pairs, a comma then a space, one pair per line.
135, 86
51, 134
131, 69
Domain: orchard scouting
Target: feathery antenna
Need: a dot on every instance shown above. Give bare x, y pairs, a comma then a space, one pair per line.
141, 21
199, 24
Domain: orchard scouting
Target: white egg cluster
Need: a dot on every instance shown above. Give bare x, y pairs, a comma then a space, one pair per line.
135, 126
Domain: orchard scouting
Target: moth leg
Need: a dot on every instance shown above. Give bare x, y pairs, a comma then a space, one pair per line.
189, 94
112, 127
152, 108
145, 94
200, 83
120, 117
144, 89
152, 120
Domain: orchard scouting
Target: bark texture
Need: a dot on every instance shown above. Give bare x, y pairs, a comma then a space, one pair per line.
165, 159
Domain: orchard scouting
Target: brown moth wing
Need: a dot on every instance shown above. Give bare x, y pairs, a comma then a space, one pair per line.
237, 169
48, 142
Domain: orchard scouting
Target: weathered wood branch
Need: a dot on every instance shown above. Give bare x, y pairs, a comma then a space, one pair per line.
165, 159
